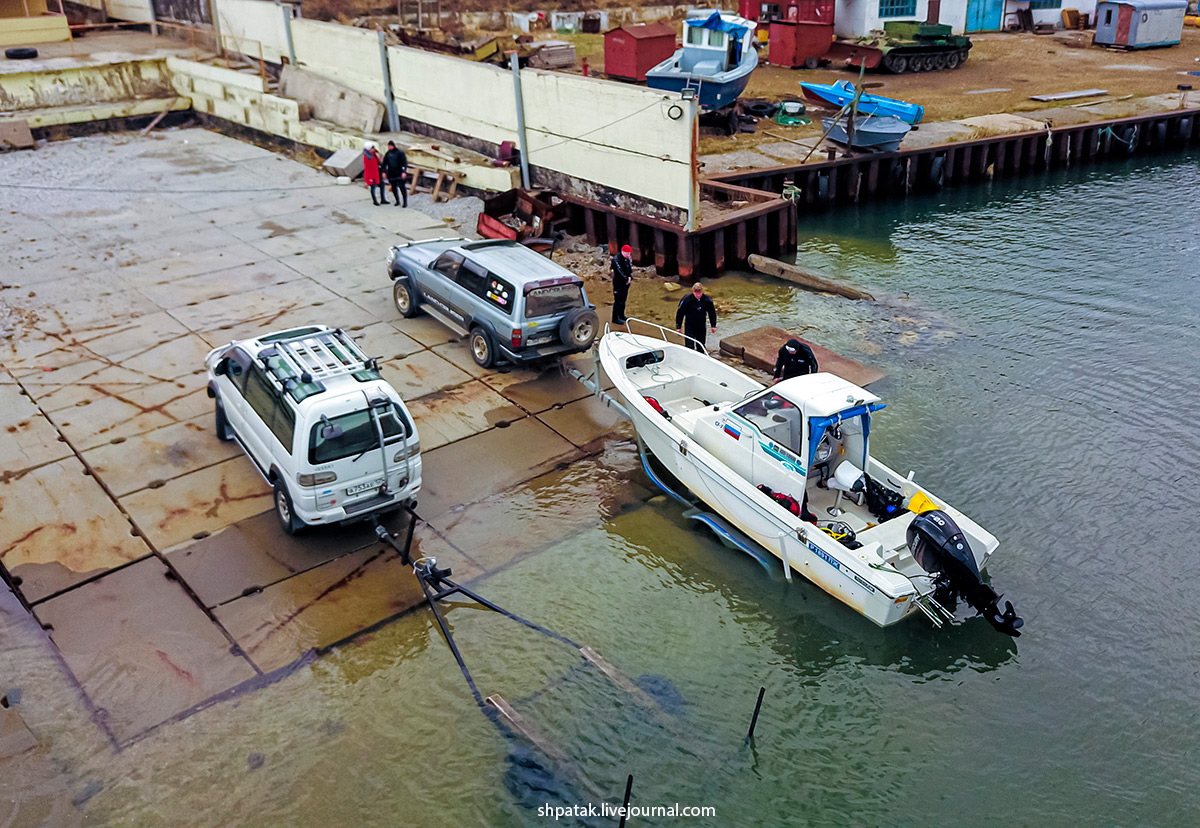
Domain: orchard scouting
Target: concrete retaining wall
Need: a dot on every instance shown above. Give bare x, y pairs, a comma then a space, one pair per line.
254, 27
82, 84
345, 54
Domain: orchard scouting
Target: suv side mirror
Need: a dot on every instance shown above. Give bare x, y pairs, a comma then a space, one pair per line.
222, 367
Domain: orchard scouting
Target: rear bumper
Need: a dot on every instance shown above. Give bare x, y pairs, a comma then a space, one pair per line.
305, 505
534, 354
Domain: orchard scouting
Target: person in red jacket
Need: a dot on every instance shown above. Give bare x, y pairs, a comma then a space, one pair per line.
371, 173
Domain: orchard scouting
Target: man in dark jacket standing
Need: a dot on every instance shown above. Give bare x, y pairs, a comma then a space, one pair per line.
795, 360
690, 318
622, 278
395, 168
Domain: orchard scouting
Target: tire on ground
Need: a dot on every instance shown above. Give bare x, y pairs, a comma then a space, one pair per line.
482, 346
21, 53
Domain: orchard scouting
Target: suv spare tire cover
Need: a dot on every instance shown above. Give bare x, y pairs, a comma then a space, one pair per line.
573, 322
20, 53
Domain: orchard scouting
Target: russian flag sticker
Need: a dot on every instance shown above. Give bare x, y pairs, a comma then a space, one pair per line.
733, 432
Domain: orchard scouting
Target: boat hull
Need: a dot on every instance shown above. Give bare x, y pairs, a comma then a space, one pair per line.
837, 95
870, 133
799, 546
715, 91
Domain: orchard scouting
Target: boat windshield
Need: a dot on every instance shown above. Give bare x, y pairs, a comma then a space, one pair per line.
778, 419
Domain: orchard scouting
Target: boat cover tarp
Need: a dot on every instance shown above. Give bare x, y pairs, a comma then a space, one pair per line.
714, 21
817, 426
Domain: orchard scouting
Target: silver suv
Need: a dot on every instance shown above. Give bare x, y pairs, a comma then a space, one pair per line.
511, 302
311, 412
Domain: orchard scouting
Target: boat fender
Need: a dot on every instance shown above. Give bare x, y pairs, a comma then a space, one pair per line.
937, 172
655, 405
1160, 134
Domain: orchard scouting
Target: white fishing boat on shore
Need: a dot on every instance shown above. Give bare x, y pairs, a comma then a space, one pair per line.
765, 458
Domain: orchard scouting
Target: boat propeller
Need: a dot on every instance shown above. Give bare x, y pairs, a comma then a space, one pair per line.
941, 549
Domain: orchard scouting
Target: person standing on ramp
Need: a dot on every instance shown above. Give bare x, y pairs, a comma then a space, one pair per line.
691, 315
622, 278
795, 359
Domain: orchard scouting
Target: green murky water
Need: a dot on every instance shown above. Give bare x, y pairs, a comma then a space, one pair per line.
1041, 340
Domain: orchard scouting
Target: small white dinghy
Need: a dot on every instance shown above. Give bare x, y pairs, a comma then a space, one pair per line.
761, 457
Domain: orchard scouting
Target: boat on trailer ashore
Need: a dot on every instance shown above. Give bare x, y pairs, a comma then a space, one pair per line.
754, 454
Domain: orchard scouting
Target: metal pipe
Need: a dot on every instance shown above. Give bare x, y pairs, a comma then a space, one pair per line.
515, 65
625, 803
762, 691
286, 8
389, 101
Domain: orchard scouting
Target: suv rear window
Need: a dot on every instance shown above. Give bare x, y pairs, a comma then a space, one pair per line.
358, 434
547, 301
499, 293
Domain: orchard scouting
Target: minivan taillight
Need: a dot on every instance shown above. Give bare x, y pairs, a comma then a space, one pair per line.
516, 337
318, 479
414, 448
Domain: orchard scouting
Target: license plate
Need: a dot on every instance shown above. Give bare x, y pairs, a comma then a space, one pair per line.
541, 340
364, 487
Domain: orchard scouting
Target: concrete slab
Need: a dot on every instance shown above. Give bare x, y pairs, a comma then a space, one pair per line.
332, 602
759, 348
127, 465
203, 501
487, 464
445, 416
190, 264
425, 329
354, 281
347, 254
111, 339
254, 553
27, 439
140, 647
545, 510
458, 354
338, 313
537, 390
264, 302
193, 290
586, 422
129, 411
421, 373
60, 528
384, 341
15, 737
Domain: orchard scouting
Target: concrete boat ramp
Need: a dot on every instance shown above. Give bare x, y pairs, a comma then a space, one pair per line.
145, 547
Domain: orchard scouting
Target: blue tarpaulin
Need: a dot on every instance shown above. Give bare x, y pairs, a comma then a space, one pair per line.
817, 426
715, 22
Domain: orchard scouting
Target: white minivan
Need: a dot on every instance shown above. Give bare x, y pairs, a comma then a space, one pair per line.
323, 428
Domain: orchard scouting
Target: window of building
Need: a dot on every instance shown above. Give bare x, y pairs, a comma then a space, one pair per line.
897, 8
1045, 4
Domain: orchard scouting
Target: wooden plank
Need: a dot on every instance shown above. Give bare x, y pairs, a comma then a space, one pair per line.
1066, 96
793, 274
522, 726
624, 682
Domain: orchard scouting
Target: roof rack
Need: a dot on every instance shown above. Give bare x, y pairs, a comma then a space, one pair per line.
317, 357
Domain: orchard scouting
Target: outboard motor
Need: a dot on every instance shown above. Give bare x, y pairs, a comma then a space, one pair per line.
941, 549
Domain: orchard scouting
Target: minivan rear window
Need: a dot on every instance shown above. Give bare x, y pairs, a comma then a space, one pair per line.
358, 434
552, 299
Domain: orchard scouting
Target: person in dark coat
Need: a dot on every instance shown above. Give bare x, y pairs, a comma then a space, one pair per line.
690, 317
371, 173
795, 360
622, 278
395, 169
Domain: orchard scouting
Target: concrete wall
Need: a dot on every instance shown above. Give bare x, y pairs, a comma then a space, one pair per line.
345, 54
83, 84
137, 11
29, 21
254, 27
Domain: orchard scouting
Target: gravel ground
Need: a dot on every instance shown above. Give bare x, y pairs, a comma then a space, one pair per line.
461, 213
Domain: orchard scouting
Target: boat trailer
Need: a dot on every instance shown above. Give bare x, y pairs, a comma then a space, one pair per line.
437, 586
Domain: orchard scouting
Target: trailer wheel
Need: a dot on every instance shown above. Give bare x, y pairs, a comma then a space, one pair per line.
811, 62
953, 60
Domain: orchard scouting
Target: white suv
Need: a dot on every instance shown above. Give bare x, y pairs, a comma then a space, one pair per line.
312, 413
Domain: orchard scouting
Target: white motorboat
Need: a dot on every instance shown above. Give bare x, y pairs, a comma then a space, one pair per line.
761, 457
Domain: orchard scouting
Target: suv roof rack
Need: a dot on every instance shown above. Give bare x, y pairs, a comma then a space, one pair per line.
311, 358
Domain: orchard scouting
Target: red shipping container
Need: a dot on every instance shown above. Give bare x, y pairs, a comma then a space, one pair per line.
799, 44
631, 51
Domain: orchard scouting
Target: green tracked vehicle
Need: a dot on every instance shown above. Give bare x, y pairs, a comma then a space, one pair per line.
909, 46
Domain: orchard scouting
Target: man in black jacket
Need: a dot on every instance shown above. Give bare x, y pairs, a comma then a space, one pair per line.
690, 318
795, 360
622, 278
395, 168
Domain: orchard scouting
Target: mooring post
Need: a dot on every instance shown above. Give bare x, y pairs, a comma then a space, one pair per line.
515, 65
762, 691
625, 803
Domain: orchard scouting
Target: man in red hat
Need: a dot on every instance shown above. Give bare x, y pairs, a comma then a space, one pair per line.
622, 278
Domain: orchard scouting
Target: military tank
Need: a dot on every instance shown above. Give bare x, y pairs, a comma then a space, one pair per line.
907, 46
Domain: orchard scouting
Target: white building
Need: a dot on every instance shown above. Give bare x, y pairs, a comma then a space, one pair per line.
856, 18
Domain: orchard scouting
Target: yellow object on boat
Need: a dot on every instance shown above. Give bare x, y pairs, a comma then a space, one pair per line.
920, 503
